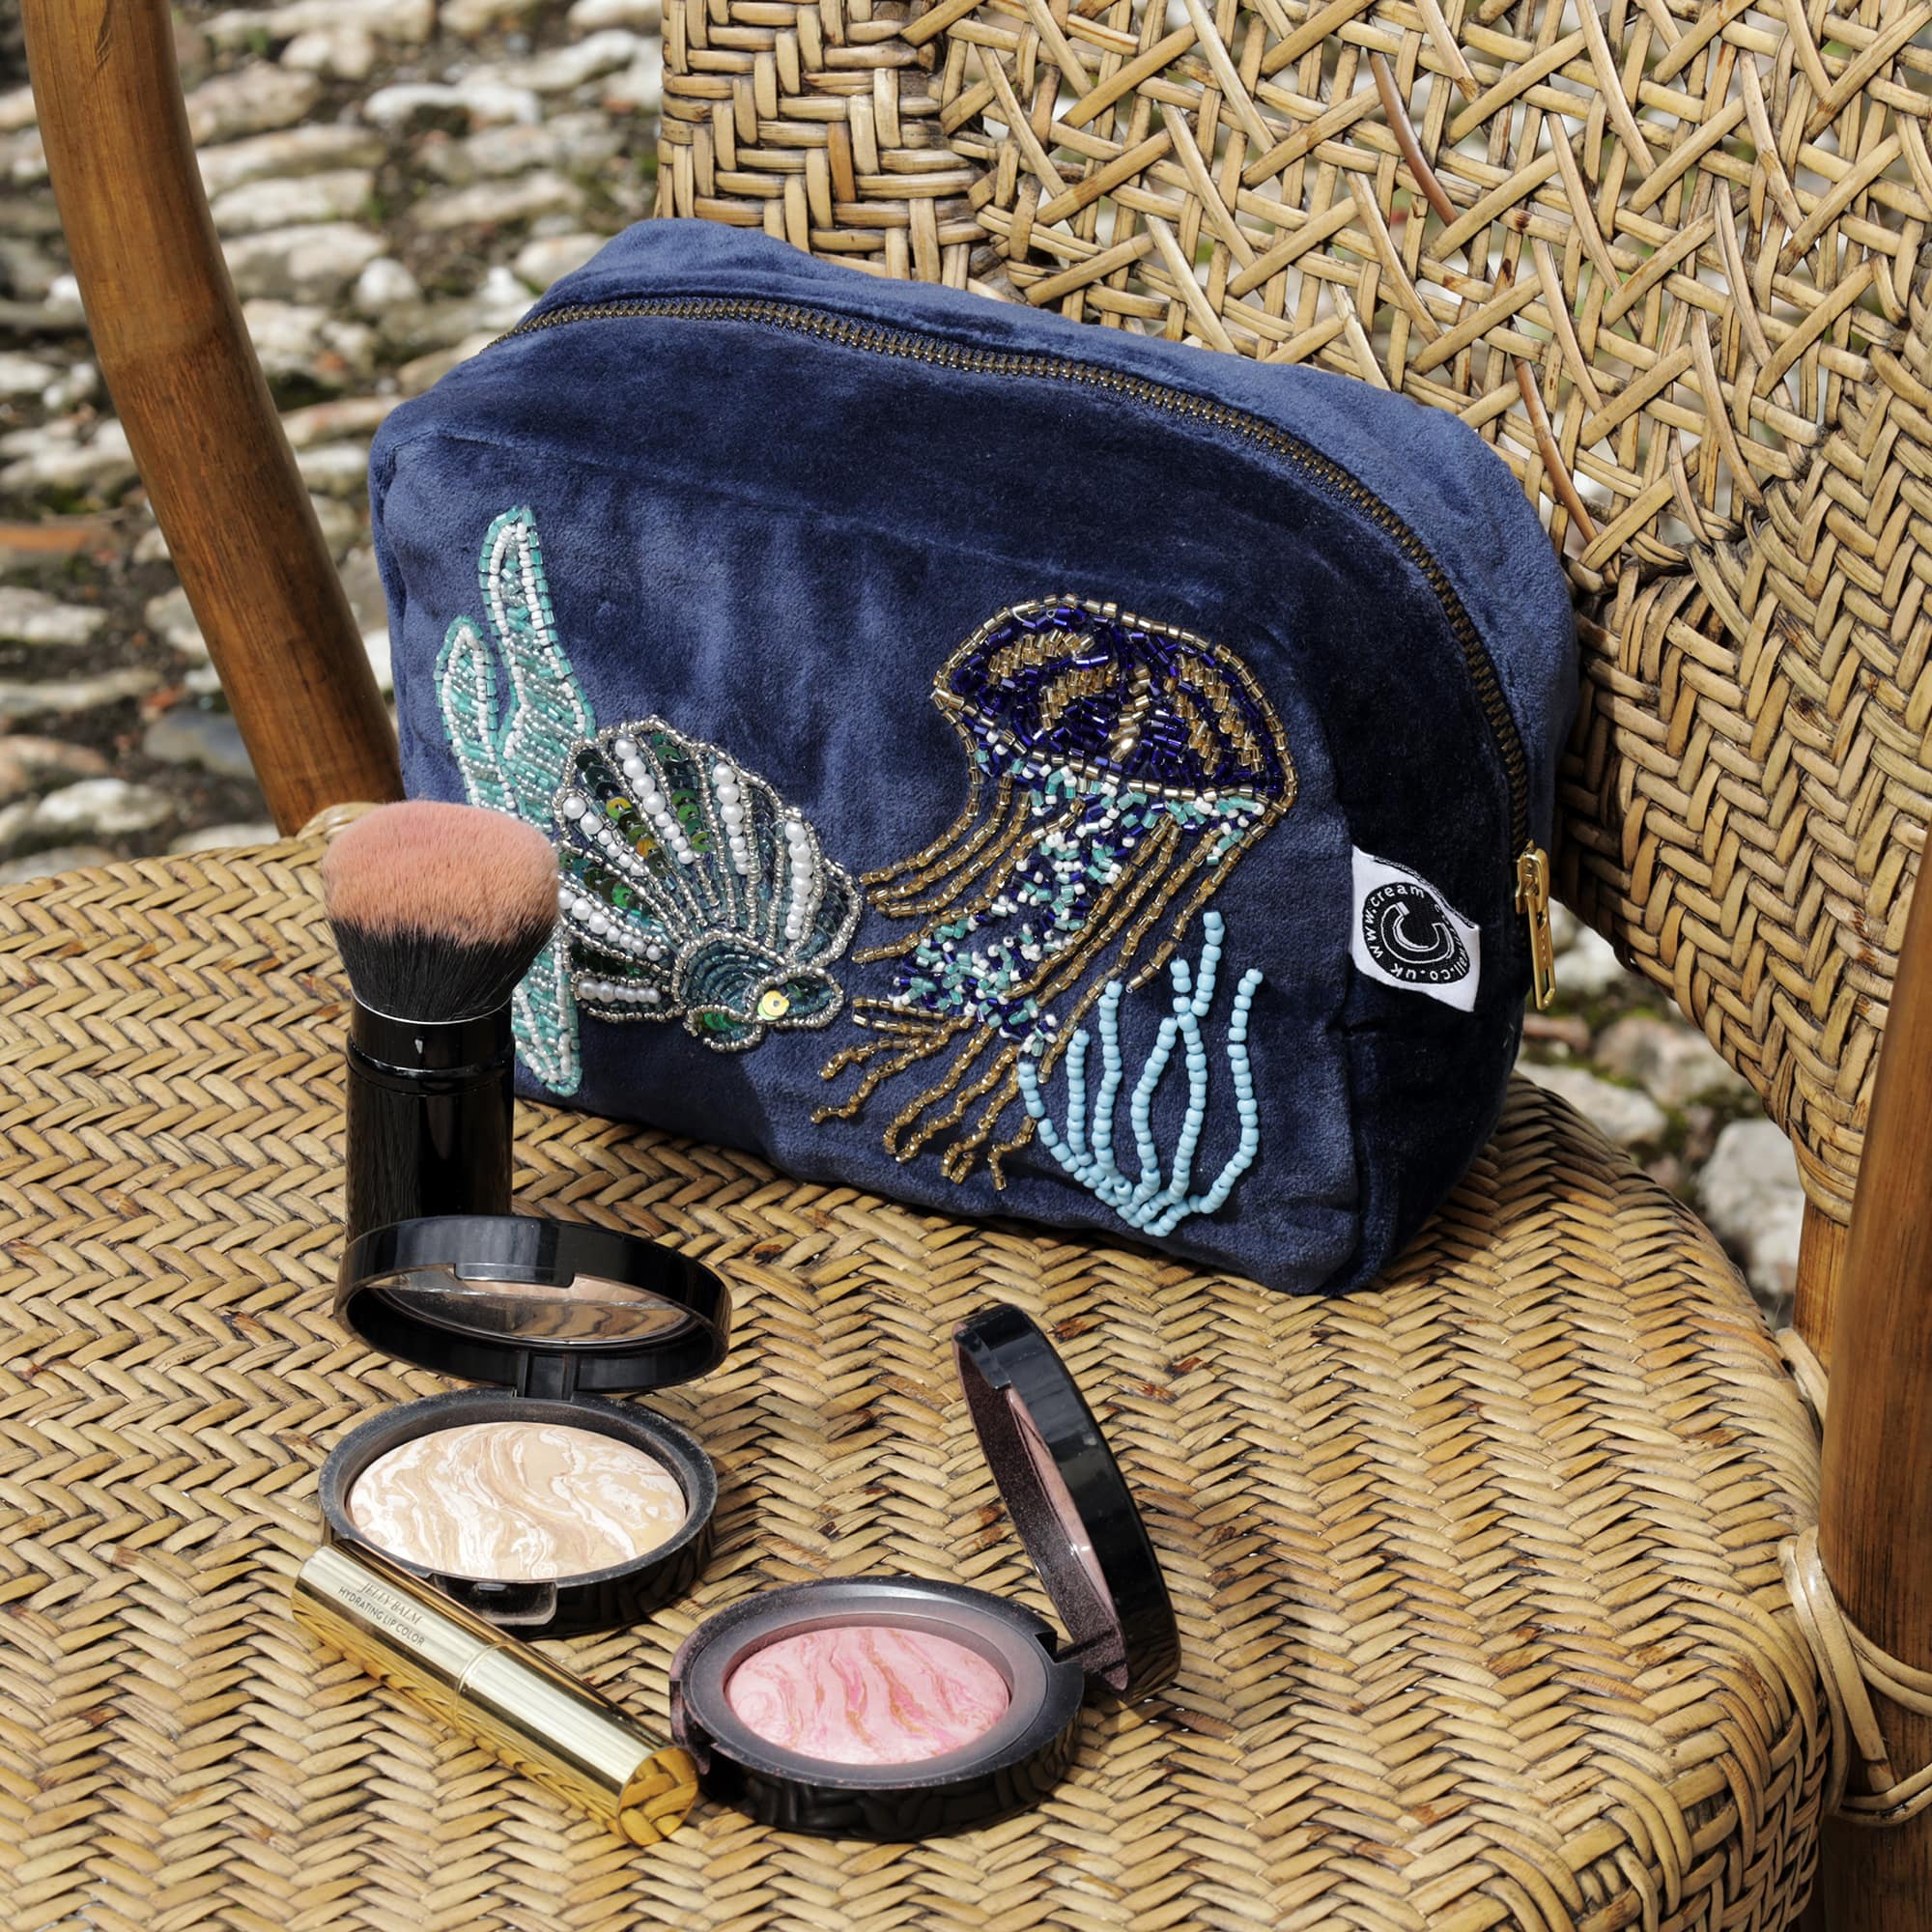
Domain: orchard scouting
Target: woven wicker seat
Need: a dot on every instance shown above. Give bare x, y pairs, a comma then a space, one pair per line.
1476, 1575
1478, 1572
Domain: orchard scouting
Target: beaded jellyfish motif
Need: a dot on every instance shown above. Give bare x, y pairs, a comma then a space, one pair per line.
1120, 769
686, 889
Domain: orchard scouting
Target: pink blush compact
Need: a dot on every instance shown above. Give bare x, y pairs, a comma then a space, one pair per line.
867, 1694
900, 1707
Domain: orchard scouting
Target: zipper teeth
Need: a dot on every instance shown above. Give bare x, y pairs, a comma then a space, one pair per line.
916, 347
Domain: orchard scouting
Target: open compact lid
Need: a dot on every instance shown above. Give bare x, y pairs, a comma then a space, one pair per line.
548, 1308
1068, 1502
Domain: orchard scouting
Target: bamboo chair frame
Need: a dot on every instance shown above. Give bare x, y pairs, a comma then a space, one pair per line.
225, 489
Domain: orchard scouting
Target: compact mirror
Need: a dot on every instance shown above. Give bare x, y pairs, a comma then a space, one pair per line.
898, 1706
586, 1311
1058, 1497
539, 1306
1068, 1502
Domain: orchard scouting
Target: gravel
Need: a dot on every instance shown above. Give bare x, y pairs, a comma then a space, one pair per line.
552, 257
304, 344
35, 765
220, 837
34, 618
248, 101
330, 197
311, 261
1673, 1065
1750, 1195
96, 809
66, 465
1627, 1115
55, 859
63, 696
25, 375
490, 204
289, 155
1589, 969
207, 740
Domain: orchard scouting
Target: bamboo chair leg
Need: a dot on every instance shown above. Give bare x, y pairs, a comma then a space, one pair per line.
1821, 1267
1876, 1512
174, 350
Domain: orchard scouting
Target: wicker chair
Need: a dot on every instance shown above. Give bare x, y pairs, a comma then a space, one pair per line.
1480, 1574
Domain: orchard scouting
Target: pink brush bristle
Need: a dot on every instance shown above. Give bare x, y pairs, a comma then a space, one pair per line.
439, 909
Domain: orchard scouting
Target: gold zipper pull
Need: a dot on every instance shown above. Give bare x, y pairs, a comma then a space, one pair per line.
1532, 900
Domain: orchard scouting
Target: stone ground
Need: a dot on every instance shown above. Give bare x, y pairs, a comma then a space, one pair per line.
395, 181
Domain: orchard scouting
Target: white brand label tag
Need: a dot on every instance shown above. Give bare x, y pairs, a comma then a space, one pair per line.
1406, 934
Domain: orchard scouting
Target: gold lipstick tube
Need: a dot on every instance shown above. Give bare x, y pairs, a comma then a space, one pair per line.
506, 1696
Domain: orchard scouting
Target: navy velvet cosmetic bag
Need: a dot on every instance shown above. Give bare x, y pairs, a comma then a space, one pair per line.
1011, 765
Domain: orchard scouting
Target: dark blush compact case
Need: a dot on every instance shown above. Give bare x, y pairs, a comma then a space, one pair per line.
1086, 1538
554, 1317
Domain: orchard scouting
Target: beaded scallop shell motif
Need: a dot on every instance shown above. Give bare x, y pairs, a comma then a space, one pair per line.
687, 888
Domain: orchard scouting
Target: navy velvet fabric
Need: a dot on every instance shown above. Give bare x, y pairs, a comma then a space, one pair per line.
774, 541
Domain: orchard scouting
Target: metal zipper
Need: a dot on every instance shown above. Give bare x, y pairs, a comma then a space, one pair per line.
1529, 863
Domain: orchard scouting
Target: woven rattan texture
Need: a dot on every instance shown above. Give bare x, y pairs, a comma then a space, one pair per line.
1659, 253
1477, 1575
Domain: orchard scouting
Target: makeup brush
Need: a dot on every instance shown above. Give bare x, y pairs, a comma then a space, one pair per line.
439, 911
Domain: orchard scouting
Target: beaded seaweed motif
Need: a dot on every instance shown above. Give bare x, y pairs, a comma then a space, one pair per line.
1120, 768
511, 750
687, 888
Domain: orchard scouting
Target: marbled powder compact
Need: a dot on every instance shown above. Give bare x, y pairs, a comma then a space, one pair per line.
534, 1503
898, 1708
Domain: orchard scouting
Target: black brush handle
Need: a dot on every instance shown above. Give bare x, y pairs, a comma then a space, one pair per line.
431, 1117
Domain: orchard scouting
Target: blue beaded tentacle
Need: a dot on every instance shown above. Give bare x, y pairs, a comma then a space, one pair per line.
1155, 1204
1102, 1134
512, 754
